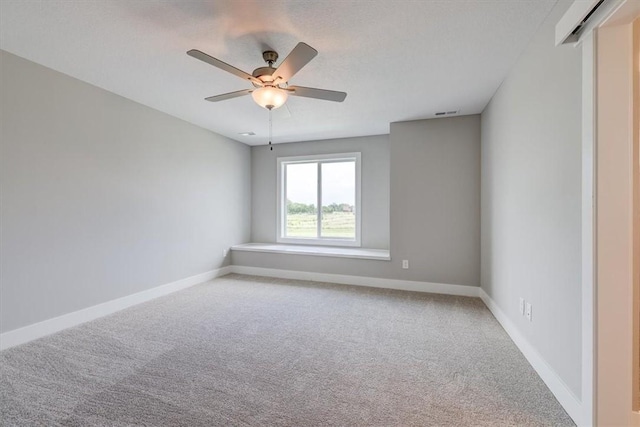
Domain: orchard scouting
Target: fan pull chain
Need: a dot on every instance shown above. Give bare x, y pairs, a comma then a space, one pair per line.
270, 130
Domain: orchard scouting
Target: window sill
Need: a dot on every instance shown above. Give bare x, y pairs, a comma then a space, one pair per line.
343, 252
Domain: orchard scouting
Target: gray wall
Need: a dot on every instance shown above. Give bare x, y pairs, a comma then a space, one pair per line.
103, 197
426, 176
435, 199
375, 185
531, 171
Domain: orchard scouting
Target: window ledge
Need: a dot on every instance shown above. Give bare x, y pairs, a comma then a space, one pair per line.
279, 248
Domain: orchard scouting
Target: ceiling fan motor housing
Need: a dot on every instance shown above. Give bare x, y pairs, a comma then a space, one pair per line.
264, 74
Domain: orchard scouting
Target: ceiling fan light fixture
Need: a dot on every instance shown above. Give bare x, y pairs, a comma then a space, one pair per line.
269, 97
268, 79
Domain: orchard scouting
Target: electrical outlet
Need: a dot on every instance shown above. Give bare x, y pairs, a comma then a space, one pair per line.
405, 264
224, 253
521, 306
528, 312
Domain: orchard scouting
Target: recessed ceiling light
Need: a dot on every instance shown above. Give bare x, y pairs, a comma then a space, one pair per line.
246, 133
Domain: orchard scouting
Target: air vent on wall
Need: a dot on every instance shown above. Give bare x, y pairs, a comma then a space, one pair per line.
446, 113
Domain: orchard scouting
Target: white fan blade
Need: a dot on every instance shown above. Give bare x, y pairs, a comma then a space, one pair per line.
298, 58
222, 65
229, 95
310, 92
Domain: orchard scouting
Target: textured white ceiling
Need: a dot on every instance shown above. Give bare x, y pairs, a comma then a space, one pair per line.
397, 59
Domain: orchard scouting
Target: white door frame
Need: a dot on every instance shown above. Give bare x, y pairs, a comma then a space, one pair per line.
586, 40
588, 229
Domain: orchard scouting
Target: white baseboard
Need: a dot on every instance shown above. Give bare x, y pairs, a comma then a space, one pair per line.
374, 282
560, 390
50, 326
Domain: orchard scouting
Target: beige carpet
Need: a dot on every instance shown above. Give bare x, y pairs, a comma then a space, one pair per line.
267, 352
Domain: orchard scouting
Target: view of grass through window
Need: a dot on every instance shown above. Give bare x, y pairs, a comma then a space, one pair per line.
338, 193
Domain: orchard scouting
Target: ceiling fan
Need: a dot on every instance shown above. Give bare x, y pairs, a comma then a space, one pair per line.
271, 87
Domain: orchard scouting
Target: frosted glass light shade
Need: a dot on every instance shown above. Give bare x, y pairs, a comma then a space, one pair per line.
269, 97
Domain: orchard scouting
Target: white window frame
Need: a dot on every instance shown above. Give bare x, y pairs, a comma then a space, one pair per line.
281, 199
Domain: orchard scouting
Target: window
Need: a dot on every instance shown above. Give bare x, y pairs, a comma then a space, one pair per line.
331, 182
